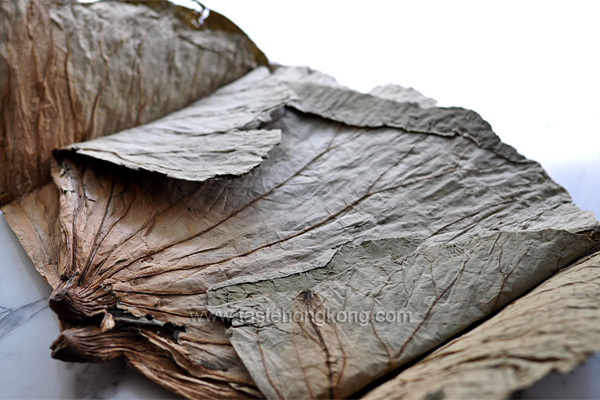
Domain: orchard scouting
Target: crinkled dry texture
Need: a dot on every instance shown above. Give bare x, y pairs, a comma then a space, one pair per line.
72, 72
146, 349
35, 220
193, 157
358, 109
159, 244
202, 364
141, 250
201, 142
391, 309
554, 327
306, 276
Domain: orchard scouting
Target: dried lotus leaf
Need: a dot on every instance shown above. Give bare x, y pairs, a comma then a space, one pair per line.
392, 306
135, 236
73, 72
553, 328
144, 249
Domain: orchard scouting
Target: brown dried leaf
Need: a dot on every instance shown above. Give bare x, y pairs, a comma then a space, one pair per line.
73, 72
202, 141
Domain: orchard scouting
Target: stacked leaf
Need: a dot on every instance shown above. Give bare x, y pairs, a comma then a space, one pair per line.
168, 242
72, 72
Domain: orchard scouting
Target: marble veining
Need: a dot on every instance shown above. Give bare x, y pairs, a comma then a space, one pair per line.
27, 329
11, 318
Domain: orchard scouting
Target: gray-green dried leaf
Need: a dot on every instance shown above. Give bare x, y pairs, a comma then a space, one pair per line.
391, 309
306, 276
203, 140
554, 327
